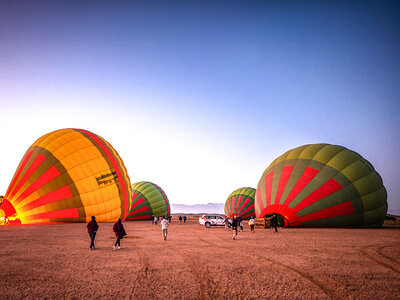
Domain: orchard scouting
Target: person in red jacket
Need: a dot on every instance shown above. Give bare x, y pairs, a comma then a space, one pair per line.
119, 231
92, 228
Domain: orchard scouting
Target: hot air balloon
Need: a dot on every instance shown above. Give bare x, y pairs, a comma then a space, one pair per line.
240, 203
68, 175
148, 199
322, 185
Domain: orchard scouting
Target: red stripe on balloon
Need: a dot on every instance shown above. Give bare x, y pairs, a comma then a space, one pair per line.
244, 204
47, 176
57, 214
248, 215
134, 196
138, 202
54, 196
32, 168
286, 172
139, 210
232, 201
116, 168
20, 168
342, 209
251, 207
237, 204
268, 187
326, 189
306, 177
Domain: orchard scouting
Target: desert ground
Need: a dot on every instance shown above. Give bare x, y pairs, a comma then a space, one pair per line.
55, 262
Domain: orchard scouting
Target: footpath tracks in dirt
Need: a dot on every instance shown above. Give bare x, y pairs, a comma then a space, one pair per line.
328, 291
381, 259
206, 288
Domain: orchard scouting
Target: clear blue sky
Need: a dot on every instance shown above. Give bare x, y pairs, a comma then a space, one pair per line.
201, 97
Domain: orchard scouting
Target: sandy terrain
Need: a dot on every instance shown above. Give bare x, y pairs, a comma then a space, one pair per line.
54, 261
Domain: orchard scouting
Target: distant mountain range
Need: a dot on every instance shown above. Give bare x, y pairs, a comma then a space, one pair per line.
210, 208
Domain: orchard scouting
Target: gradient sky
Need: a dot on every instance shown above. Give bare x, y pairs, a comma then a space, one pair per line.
201, 97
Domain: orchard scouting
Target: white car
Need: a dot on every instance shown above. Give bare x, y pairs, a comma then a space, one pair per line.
211, 220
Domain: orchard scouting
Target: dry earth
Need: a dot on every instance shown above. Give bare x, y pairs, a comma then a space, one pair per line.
54, 261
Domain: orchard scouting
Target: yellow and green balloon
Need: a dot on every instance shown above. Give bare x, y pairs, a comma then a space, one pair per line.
68, 175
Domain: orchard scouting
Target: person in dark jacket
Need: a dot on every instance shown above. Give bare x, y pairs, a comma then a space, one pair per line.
92, 228
120, 232
274, 222
234, 227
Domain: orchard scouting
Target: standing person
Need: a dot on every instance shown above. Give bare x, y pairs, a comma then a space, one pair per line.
120, 232
180, 219
226, 223
155, 220
241, 224
239, 221
164, 227
274, 222
251, 223
184, 219
152, 219
234, 227
92, 228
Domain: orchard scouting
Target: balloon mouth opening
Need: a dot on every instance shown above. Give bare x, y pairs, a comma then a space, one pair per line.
8, 214
286, 216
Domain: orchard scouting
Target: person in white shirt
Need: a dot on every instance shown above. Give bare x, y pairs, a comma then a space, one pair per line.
164, 227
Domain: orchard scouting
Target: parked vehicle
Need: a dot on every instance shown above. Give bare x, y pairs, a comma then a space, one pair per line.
211, 220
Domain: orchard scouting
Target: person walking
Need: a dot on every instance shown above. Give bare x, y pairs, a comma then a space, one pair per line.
274, 222
180, 219
164, 228
234, 227
252, 222
184, 219
92, 228
152, 219
155, 220
120, 232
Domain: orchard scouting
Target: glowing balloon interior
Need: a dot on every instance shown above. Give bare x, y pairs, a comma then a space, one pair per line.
68, 175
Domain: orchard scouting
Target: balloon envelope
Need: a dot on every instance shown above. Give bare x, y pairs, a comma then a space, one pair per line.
322, 185
68, 175
240, 203
148, 199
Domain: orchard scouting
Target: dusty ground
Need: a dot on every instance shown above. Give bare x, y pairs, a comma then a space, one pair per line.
54, 261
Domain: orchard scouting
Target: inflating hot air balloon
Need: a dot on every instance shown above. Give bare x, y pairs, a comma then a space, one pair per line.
322, 185
68, 175
148, 199
240, 203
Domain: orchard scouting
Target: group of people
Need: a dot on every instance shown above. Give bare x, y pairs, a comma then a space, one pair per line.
119, 231
236, 223
180, 219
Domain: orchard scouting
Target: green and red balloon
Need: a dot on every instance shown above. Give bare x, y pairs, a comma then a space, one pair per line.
322, 185
148, 199
240, 203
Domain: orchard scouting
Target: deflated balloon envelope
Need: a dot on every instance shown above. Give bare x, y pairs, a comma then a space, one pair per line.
68, 175
148, 199
240, 203
322, 185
